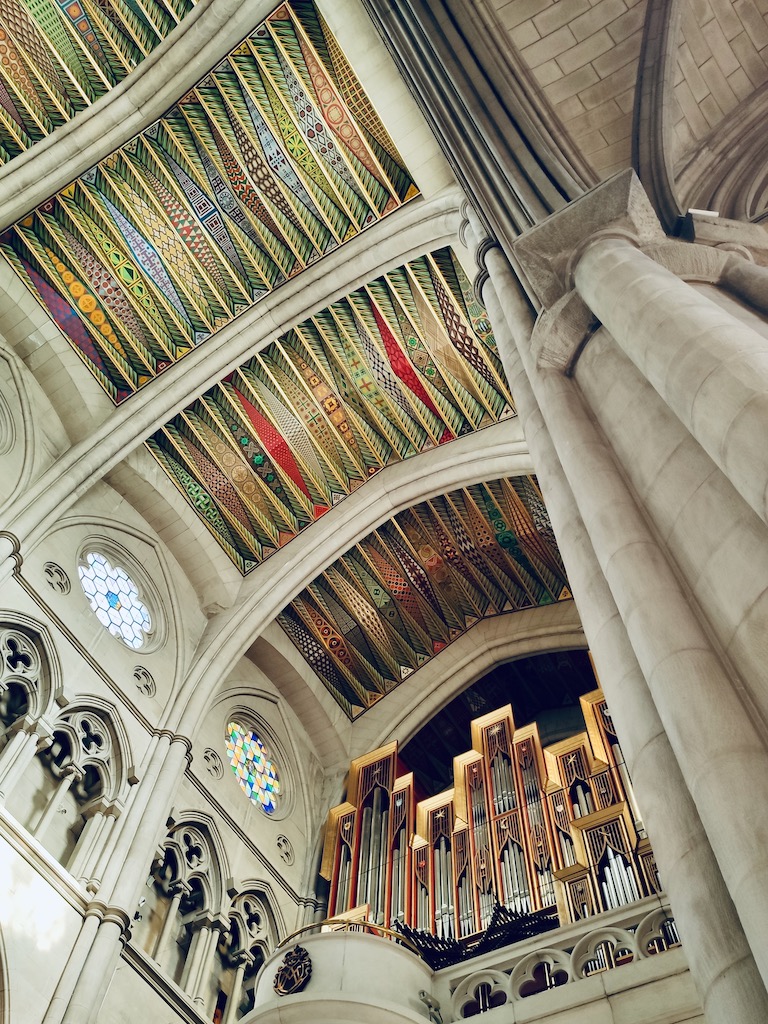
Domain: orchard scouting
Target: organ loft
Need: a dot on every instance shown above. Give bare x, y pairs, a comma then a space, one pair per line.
539, 830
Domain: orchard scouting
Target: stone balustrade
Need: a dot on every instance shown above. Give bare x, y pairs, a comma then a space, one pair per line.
361, 976
571, 954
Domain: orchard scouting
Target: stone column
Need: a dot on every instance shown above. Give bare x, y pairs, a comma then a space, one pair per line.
204, 967
198, 956
719, 544
87, 841
74, 966
70, 774
242, 961
720, 751
710, 368
747, 281
177, 891
17, 755
720, 959
92, 873
78, 1001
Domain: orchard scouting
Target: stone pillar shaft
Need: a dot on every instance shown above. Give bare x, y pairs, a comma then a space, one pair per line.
171, 925
718, 543
720, 752
70, 774
17, 755
230, 1014
710, 368
93, 871
719, 956
86, 843
73, 971
198, 951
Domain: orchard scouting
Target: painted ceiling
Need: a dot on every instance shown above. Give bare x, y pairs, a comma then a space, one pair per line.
273, 160
58, 56
404, 364
409, 589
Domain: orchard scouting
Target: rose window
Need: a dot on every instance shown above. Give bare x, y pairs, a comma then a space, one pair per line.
252, 766
114, 597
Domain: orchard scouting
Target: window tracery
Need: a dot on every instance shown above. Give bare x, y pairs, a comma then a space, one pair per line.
253, 767
62, 778
210, 949
182, 906
114, 599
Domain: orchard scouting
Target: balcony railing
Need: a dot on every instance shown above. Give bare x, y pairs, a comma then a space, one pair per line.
561, 957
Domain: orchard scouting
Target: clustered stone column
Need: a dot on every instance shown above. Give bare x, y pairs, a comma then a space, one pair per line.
20, 750
692, 747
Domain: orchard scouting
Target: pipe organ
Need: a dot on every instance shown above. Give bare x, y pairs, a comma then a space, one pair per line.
532, 828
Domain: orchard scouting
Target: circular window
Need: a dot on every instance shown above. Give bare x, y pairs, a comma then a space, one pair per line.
255, 771
114, 597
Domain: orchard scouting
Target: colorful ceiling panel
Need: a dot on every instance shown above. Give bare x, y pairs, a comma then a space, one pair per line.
273, 160
58, 56
397, 367
398, 598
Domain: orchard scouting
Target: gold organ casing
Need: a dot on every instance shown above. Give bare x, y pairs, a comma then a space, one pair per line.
537, 830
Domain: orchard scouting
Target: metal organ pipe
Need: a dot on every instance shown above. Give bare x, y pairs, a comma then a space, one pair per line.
443, 875
503, 784
397, 903
363, 864
466, 911
422, 907
342, 886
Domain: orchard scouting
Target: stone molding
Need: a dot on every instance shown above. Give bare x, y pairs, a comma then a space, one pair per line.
653, 141
498, 450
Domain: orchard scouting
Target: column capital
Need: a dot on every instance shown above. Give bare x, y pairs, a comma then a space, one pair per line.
27, 725
71, 771
179, 888
242, 958
549, 253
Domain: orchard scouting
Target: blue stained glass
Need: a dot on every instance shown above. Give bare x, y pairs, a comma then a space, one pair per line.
114, 598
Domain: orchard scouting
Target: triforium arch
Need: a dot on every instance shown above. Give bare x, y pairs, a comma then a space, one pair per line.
252, 933
182, 913
70, 782
30, 686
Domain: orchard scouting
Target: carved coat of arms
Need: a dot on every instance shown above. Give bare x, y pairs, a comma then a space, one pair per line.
294, 972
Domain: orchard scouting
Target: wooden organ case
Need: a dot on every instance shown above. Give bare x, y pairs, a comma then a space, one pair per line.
534, 829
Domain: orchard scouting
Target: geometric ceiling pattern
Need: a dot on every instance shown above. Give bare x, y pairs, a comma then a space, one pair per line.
58, 56
418, 582
273, 160
397, 367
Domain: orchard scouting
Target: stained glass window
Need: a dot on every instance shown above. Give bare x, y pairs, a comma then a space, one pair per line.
254, 769
115, 599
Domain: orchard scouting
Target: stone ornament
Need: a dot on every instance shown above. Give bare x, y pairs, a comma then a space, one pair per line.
294, 972
145, 682
56, 578
285, 850
213, 763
